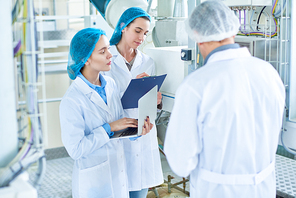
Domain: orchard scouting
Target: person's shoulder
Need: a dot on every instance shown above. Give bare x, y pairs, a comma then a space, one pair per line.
110, 81
201, 72
112, 47
75, 89
111, 85
259, 61
191, 85
260, 64
193, 79
113, 50
72, 89
71, 94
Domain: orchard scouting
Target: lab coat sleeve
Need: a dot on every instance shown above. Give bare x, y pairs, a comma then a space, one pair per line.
76, 141
183, 139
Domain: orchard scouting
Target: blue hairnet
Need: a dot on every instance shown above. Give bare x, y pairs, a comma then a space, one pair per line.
82, 45
126, 18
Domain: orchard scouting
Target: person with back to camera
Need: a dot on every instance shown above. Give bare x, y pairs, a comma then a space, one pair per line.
142, 155
227, 115
89, 113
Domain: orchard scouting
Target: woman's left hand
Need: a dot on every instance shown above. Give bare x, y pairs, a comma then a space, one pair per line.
144, 74
147, 126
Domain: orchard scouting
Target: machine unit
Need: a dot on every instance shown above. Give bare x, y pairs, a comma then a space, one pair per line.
19, 188
246, 2
168, 61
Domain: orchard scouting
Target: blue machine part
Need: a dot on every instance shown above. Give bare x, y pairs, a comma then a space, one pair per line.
101, 5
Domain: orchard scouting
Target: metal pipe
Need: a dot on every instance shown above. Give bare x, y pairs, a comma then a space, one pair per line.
45, 136
292, 101
149, 5
170, 185
8, 118
158, 117
42, 101
192, 44
180, 182
32, 64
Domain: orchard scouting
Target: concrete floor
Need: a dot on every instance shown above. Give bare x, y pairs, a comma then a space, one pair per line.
57, 181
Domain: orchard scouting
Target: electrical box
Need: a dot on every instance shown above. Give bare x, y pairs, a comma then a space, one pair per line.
186, 54
246, 2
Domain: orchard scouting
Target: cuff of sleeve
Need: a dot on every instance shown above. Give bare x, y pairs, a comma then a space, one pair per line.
107, 128
134, 138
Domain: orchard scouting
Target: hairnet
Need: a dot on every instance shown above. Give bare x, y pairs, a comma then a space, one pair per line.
126, 18
211, 21
82, 45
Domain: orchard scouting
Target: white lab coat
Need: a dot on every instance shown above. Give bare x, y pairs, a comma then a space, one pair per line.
142, 155
99, 169
225, 122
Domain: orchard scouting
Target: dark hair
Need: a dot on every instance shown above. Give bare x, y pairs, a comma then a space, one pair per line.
143, 17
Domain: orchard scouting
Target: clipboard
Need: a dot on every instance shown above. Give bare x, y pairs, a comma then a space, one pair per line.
138, 88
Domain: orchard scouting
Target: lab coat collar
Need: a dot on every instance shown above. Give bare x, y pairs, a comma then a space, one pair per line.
221, 48
229, 54
119, 59
95, 87
93, 95
138, 61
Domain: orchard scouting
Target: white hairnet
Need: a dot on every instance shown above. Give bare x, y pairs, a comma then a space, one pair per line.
211, 21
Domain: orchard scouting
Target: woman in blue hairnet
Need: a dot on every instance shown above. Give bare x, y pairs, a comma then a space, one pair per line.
142, 155
89, 113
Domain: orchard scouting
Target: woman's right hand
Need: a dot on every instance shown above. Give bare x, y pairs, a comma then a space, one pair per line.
123, 123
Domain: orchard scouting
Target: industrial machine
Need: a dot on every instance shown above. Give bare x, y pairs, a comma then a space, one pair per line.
21, 139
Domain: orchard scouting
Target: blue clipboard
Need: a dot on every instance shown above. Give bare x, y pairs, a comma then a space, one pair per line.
139, 87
